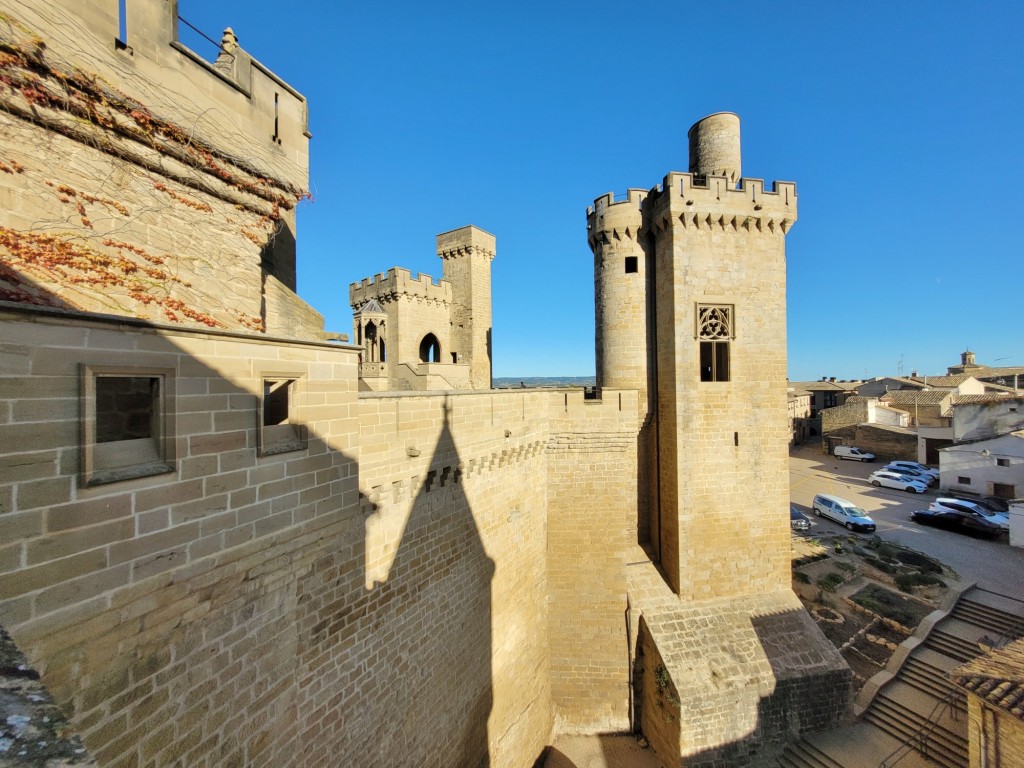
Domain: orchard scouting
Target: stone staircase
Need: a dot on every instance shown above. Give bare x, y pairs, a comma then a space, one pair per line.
918, 718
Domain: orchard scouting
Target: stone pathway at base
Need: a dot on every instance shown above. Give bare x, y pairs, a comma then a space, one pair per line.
619, 751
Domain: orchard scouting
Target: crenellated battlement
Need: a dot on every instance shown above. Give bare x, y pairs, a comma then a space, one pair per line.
610, 203
237, 111
397, 283
615, 218
711, 201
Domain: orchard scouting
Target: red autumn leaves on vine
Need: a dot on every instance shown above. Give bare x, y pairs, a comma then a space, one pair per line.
58, 257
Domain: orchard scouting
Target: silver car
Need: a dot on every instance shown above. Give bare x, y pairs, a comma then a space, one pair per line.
895, 480
843, 512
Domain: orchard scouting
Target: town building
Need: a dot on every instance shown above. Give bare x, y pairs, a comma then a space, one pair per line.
994, 685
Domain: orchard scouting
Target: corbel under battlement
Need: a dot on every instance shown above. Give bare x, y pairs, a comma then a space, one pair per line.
710, 202
466, 241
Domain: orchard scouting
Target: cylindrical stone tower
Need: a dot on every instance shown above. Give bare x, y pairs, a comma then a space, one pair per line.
715, 146
620, 304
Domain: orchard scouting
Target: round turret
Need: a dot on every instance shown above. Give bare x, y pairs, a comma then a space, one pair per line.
715, 146
620, 306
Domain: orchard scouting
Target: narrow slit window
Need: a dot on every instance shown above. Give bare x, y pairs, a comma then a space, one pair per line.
277, 115
122, 23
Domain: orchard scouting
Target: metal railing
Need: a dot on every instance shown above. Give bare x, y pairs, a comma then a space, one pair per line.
919, 741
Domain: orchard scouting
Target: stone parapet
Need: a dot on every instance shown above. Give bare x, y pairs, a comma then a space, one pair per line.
713, 203
466, 240
398, 283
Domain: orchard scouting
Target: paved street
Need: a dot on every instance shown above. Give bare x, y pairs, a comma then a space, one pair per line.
992, 564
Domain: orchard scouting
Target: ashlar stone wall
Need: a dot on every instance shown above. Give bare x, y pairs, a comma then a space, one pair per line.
592, 534
167, 614
119, 197
454, 496
380, 589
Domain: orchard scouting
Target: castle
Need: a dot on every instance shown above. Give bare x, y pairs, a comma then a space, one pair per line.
229, 538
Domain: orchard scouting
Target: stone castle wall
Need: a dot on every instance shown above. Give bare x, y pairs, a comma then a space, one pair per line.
592, 520
392, 588
168, 614
120, 197
478, 461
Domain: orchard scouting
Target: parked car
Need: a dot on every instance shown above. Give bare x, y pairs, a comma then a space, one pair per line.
852, 453
843, 512
925, 477
957, 520
915, 466
798, 521
895, 480
994, 503
970, 507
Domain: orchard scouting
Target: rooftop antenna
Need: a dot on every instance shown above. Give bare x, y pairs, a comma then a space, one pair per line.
899, 367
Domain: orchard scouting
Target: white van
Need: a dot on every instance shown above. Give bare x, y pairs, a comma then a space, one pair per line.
843, 512
854, 454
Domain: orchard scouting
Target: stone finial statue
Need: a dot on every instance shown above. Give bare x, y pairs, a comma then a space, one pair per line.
229, 41
228, 52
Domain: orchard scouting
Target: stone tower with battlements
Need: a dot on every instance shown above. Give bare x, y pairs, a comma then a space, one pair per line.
690, 287
420, 335
466, 256
718, 250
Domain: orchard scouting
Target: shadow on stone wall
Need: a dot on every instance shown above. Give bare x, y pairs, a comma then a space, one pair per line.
413, 650
324, 670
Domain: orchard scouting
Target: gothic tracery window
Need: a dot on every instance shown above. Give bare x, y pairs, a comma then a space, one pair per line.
715, 332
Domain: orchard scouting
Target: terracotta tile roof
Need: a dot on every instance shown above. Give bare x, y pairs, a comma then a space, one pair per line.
914, 396
826, 386
988, 397
997, 678
991, 386
1019, 434
943, 381
993, 372
916, 383
892, 428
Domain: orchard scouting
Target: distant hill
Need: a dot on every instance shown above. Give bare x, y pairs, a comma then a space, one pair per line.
505, 382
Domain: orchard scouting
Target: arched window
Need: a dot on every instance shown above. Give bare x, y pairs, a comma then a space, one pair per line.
430, 349
371, 340
383, 351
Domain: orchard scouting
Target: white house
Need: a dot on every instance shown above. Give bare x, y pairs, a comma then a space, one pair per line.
992, 466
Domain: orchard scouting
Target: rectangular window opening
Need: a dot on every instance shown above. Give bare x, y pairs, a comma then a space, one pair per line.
280, 431
963, 480
632, 265
714, 361
125, 429
1002, 462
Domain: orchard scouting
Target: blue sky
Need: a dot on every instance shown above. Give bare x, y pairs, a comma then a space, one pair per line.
900, 122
